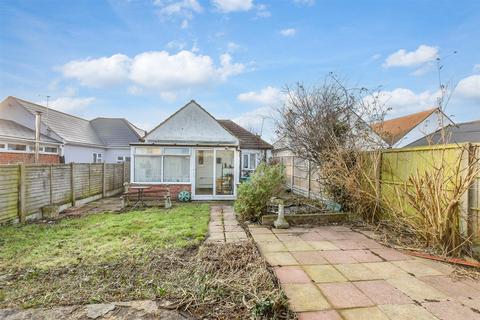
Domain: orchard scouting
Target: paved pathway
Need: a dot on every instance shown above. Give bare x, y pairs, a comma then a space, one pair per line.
223, 226
334, 273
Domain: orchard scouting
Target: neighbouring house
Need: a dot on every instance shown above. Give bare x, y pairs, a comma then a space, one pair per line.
402, 131
193, 151
453, 133
64, 137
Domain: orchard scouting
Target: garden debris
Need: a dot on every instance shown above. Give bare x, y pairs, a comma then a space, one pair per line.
230, 281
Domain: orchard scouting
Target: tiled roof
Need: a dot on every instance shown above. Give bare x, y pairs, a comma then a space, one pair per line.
70, 128
11, 129
99, 132
115, 131
395, 129
457, 133
247, 139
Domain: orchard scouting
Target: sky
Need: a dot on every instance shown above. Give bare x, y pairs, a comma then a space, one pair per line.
144, 59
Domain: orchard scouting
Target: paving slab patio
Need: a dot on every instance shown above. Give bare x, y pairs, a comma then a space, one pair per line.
223, 226
334, 272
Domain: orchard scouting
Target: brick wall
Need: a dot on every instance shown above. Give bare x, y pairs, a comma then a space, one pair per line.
174, 188
19, 157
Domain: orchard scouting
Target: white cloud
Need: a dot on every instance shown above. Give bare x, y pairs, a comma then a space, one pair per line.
182, 8
233, 5
258, 121
262, 11
99, 72
232, 46
290, 32
228, 68
402, 58
469, 87
304, 2
476, 68
268, 96
404, 101
159, 70
176, 45
70, 104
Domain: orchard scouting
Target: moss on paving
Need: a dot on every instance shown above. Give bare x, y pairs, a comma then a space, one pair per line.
101, 238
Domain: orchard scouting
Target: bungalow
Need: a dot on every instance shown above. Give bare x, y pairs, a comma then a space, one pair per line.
63, 137
193, 151
402, 131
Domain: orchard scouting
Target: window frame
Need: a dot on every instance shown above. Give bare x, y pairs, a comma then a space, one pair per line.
161, 153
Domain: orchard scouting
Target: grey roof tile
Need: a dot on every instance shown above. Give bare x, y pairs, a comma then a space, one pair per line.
12, 129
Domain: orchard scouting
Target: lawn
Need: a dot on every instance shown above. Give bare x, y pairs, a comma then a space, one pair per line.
98, 257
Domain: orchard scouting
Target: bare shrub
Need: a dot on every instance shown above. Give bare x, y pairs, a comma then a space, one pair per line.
329, 125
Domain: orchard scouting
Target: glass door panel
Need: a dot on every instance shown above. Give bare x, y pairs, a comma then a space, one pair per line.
224, 172
204, 172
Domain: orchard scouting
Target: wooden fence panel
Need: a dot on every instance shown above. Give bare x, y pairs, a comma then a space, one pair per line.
109, 176
96, 179
82, 180
9, 179
61, 184
37, 191
118, 176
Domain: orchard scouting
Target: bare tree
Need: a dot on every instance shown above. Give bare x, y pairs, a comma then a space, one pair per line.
330, 126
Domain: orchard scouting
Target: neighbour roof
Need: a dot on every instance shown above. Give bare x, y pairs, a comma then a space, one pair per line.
12, 129
457, 133
118, 132
115, 131
395, 129
247, 139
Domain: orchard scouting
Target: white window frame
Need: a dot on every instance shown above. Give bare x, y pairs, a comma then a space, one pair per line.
251, 165
159, 152
97, 157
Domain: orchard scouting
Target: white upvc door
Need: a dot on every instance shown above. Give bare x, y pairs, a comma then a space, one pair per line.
215, 173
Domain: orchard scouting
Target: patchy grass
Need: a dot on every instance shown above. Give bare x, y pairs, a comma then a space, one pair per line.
151, 254
101, 238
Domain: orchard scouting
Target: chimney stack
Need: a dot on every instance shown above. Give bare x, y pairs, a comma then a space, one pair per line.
38, 123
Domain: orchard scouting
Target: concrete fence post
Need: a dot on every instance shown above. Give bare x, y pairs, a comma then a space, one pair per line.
309, 179
22, 207
51, 184
104, 180
72, 182
292, 178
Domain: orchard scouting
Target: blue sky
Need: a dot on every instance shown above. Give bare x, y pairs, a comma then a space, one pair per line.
143, 59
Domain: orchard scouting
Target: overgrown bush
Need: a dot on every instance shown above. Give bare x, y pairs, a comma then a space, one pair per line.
253, 195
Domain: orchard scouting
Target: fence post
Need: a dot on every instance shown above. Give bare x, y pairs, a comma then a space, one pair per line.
292, 178
104, 185
21, 193
51, 186
309, 179
473, 204
72, 182
378, 180
124, 172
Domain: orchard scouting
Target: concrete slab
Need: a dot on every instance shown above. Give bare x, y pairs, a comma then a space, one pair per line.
416, 268
407, 312
385, 270
344, 295
356, 272
322, 245
319, 315
294, 246
265, 237
390, 254
453, 288
416, 289
291, 274
339, 256
349, 244
324, 273
305, 297
280, 259
363, 256
276, 246
372, 313
309, 257
381, 292
451, 310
